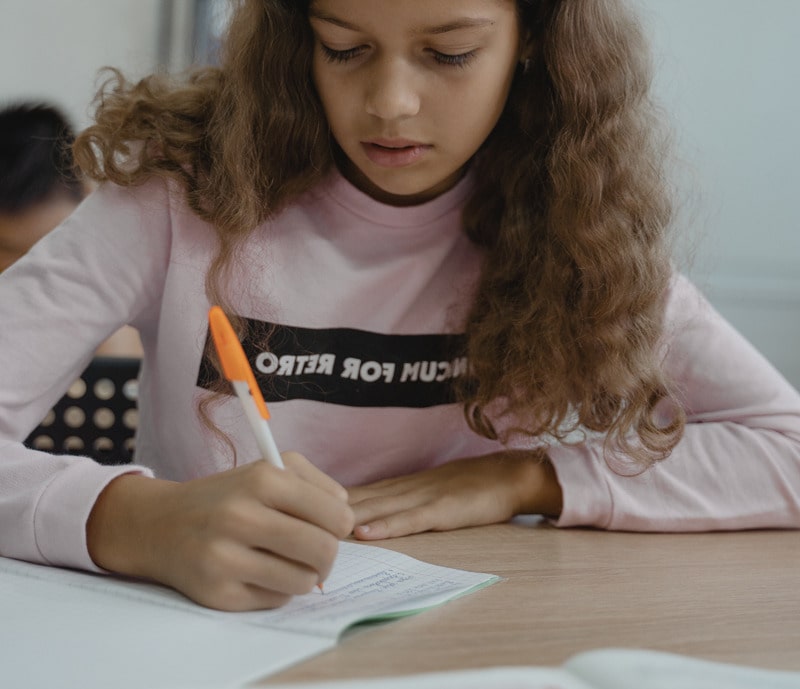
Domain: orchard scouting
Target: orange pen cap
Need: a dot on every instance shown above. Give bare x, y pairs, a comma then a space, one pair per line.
232, 357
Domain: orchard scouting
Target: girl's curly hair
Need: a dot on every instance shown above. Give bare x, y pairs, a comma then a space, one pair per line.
571, 204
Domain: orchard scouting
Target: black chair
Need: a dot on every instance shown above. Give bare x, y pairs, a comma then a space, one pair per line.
97, 417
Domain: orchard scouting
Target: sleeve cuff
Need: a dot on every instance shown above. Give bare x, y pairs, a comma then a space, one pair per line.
587, 498
63, 510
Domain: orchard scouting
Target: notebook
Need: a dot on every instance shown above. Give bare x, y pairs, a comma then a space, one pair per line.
63, 628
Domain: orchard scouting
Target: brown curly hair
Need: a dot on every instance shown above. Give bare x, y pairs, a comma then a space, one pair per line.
570, 205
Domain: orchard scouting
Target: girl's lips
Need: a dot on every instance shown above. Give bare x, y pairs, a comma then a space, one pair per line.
395, 155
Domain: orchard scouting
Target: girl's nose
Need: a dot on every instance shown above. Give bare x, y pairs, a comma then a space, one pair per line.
392, 94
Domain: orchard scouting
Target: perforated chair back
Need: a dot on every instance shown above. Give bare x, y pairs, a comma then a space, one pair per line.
97, 417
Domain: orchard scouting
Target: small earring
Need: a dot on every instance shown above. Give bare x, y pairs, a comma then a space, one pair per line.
526, 65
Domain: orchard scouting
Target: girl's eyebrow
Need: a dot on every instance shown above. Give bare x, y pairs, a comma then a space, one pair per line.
465, 23
458, 24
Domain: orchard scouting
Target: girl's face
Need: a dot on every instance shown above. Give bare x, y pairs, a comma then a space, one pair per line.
412, 88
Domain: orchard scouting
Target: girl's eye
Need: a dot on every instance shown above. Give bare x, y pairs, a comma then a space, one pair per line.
340, 56
460, 60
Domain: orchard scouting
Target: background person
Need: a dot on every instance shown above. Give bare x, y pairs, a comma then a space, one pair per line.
39, 188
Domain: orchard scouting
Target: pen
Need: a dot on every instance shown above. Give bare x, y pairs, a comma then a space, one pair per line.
237, 370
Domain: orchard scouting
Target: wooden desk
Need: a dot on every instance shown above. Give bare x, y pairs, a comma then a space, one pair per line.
730, 597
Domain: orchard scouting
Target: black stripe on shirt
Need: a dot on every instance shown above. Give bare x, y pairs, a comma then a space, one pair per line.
350, 367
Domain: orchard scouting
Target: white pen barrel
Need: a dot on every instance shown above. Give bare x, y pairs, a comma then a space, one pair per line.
266, 443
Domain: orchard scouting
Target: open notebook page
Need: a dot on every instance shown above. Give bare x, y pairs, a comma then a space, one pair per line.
606, 668
67, 628
367, 584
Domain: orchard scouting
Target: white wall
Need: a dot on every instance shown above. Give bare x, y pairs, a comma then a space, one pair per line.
727, 70
53, 49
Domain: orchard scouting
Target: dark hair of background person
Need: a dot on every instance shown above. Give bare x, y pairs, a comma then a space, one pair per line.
35, 156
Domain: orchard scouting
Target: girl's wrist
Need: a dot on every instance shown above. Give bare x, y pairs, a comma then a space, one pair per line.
118, 534
539, 490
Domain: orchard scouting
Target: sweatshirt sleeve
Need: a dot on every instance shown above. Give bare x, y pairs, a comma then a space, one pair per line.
737, 465
102, 268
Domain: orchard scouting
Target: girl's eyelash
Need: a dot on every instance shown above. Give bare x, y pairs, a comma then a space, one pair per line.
342, 56
460, 60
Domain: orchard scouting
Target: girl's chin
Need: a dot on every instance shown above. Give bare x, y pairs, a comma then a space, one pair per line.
393, 193
396, 187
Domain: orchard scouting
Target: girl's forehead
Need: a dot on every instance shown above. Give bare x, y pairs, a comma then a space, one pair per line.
423, 6
417, 13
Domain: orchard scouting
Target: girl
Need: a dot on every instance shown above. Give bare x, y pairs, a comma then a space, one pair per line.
441, 230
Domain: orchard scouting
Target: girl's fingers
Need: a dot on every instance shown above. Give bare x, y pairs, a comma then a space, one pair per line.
440, 514
373, 508
292, 540
411, 512
235, 578
469, 492
267, 571
239, 597
381, 489
393, 526
297, 463
288, 492
418, 516
265, 580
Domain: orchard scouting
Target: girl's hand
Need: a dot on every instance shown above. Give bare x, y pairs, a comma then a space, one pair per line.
243, 539
466, 492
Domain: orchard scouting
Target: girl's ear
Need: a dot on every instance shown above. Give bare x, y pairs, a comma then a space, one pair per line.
526, 50
525, 57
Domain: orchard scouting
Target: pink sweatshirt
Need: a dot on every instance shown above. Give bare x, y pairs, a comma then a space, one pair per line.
367, 300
